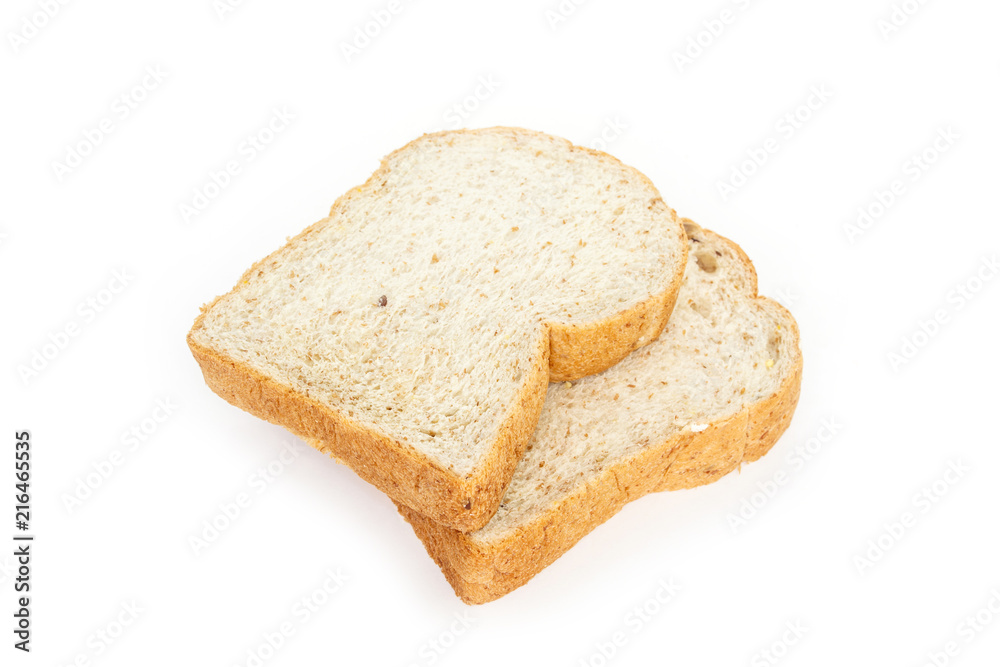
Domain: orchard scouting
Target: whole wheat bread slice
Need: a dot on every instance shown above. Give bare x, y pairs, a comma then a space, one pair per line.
716, 390
412, 333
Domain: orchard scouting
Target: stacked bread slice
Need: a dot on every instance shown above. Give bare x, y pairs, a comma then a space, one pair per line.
716, 390
413, 335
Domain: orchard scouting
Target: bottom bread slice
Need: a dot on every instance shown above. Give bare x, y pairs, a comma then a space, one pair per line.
716, 390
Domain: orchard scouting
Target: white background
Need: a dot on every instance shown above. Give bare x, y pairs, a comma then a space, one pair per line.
899, 427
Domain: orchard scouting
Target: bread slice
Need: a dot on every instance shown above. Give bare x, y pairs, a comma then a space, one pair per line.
413, 332
717, 389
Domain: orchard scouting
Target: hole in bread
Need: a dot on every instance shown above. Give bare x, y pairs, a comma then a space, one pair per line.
690, 228
703, 309
773, 346
707, 262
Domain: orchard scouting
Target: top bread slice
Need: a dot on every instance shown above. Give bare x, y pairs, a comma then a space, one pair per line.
716, 389
412, 333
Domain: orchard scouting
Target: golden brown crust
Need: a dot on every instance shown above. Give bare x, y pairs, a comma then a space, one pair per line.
464, 503
396, 469
578, 351
481, 573
770, 418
